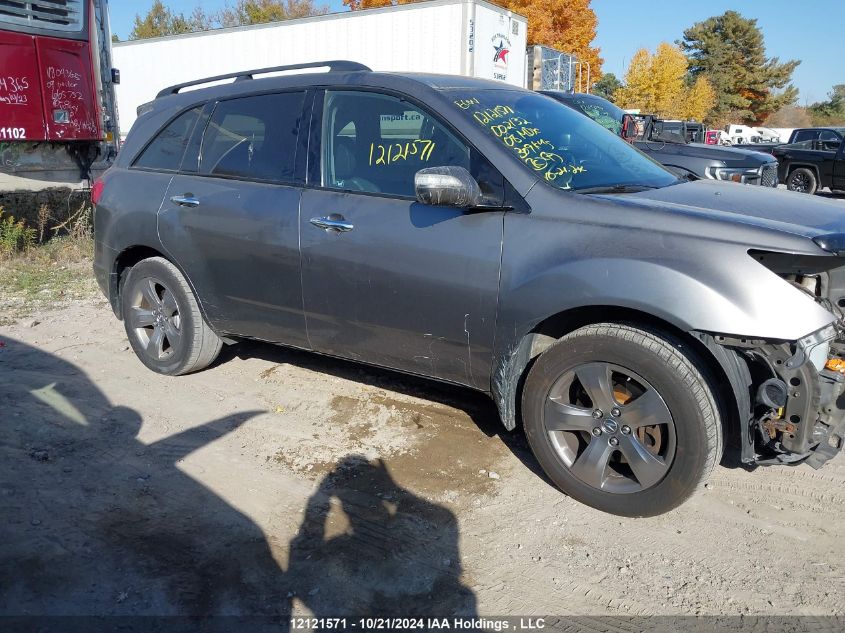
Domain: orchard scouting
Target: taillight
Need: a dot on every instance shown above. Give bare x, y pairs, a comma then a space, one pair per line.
97, 191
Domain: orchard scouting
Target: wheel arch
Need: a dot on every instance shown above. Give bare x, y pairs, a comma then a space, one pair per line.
792, 166
129, 257
726, 372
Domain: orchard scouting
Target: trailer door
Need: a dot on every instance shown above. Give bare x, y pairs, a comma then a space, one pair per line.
21, 114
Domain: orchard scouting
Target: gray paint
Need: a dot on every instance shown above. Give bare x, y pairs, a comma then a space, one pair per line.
452, 294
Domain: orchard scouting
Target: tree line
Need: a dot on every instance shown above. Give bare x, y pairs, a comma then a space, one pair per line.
160, 20
718, 72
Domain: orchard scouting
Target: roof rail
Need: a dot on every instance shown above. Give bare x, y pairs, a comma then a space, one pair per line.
332, 65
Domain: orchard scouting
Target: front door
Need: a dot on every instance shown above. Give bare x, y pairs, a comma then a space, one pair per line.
387, 280
231, 220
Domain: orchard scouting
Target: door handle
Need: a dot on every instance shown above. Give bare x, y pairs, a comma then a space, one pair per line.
334, 223
186, 200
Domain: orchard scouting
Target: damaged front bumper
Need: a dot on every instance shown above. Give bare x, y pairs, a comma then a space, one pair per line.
794, 408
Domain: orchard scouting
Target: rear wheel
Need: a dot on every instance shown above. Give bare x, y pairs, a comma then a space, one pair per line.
802, 180
622, 419
163, 320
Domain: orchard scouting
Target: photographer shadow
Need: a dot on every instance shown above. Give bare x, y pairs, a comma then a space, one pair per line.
96, 522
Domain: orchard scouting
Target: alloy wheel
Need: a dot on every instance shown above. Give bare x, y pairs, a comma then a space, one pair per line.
799, 182
610, 428
154, 318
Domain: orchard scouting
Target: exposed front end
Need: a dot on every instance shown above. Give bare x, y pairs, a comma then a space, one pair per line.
796, 389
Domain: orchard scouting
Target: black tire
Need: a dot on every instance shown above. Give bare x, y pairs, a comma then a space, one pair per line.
163, 320
652, 364
802, 180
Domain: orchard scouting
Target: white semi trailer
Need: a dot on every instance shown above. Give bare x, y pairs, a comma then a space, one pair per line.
459, 37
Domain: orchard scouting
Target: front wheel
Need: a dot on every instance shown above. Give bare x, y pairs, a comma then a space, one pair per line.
163, 320
622, 419
802, 180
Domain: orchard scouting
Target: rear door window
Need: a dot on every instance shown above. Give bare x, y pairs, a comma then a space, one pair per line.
167, 148
253, 138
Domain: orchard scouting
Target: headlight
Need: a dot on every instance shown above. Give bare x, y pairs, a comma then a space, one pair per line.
733, 174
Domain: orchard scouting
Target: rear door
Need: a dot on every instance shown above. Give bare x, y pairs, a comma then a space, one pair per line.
67, 88
398, 283
230, 217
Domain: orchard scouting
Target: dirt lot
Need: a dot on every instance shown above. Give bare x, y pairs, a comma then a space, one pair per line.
278, 482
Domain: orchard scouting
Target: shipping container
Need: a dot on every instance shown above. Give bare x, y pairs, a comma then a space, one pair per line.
459, 37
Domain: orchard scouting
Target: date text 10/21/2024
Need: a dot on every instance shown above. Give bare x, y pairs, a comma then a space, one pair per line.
418, 624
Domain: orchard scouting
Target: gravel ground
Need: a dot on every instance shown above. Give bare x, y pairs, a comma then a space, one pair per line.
280, 482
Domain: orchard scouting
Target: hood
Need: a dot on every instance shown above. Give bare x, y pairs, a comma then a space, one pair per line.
732, 157
770, 209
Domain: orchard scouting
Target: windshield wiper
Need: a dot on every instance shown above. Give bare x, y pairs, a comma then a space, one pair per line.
616, 189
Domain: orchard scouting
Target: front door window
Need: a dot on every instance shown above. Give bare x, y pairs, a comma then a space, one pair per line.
375, 143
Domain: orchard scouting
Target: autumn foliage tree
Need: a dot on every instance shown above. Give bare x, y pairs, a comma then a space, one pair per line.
373, 4
566, 25
657, 84
654, 83
698, 100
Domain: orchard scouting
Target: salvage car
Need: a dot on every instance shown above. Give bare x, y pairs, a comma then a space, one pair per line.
631, 321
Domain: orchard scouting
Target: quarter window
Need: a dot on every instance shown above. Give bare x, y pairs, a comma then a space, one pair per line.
376, 143
253, 137
166, 150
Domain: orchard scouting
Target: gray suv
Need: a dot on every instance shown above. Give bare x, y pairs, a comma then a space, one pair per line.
632, 322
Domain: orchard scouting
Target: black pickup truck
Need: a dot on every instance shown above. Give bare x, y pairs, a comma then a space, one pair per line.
810, 165
667, 143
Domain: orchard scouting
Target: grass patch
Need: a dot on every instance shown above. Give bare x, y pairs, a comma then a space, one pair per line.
45, 277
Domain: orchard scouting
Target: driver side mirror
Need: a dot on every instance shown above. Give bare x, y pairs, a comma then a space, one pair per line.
447, 186
629, 127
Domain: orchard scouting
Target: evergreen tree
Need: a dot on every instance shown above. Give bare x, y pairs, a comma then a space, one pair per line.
607, 86
729, 50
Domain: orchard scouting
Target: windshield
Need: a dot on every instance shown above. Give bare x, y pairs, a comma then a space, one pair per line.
604, 113
565, 148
